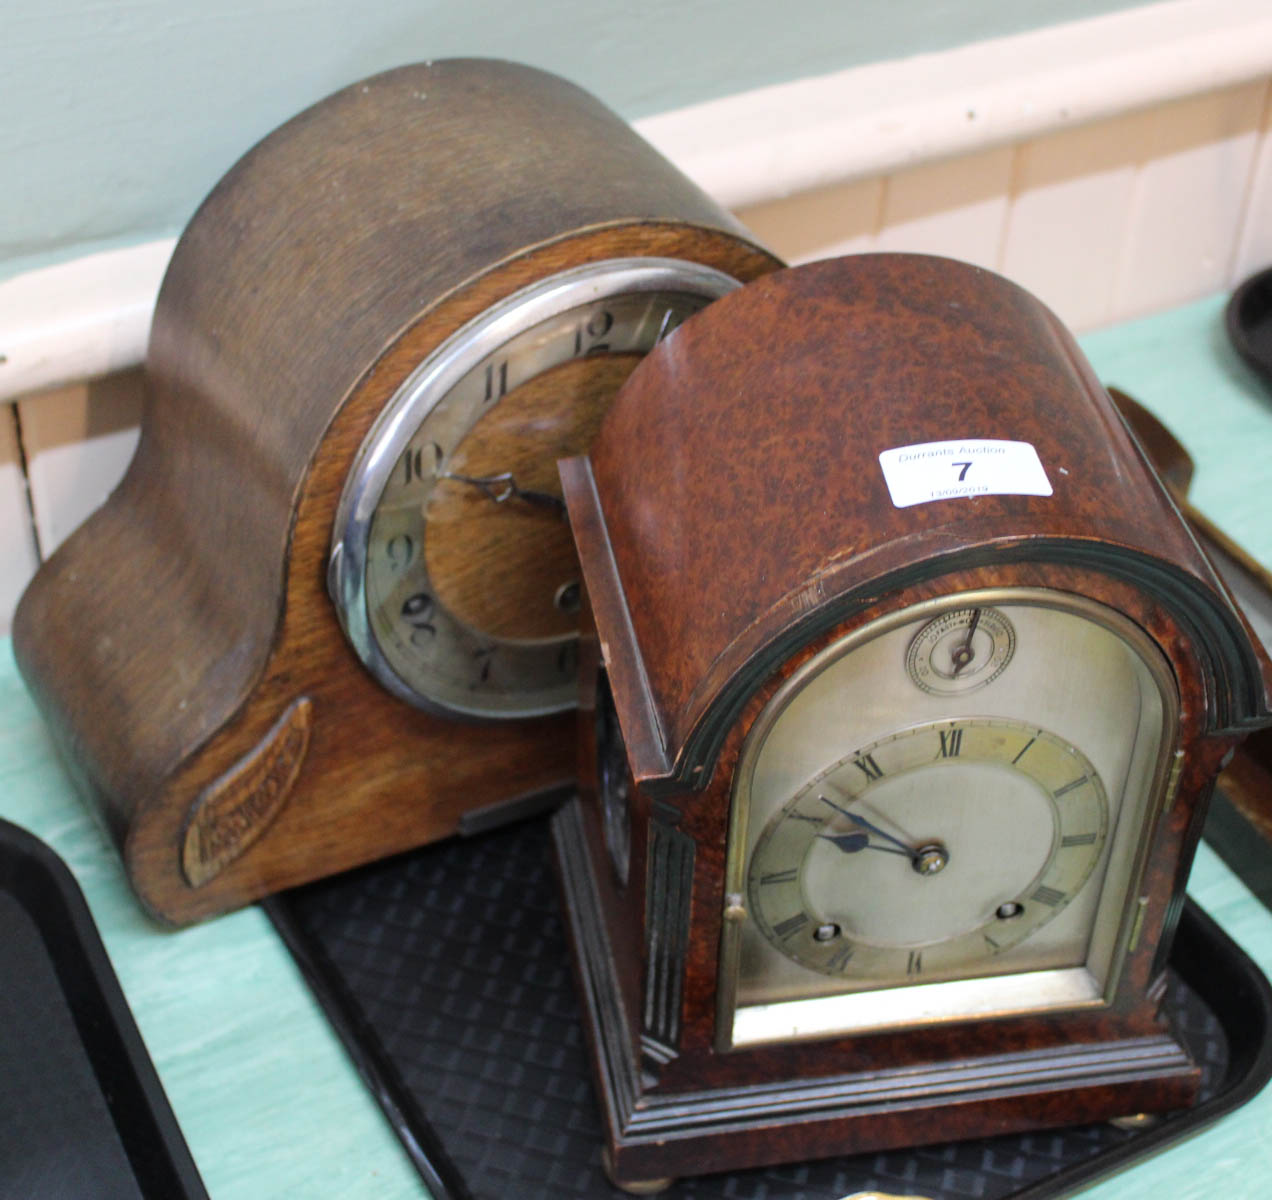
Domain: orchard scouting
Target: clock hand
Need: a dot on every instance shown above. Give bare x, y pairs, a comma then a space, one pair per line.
504, 487
910, 853
850, 843
964, 654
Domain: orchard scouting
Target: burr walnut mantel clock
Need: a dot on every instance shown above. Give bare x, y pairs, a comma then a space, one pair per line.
905, 685
331, 610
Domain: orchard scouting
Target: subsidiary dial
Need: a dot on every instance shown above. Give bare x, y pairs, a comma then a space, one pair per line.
961, 651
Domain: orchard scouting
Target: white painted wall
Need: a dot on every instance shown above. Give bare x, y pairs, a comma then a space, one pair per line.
117, 117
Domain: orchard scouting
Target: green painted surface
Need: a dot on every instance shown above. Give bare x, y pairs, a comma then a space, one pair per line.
1180, 365
119, 117
1232, 1159
270, 1105
267, 1099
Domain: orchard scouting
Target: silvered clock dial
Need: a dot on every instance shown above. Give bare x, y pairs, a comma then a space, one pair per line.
903, 852
1001, 792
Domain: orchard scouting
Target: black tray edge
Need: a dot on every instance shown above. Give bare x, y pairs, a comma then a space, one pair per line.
440, 1174
148, 1130
1247, 308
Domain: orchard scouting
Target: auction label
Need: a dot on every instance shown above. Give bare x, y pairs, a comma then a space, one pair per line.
952, 470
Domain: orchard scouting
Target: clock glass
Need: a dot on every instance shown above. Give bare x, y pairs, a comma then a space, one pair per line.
452, 567
931, 820
613, 784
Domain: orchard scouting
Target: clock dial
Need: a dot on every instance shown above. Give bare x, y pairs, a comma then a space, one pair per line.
961, 650
452, 565
878, 868
903, 851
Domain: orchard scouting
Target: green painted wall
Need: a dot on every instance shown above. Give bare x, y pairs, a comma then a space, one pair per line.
117, 116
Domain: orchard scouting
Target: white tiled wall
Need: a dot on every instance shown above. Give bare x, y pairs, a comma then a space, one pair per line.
1254, 247
1104, 222
78, 441
960, 203
1196, 159
1067, 228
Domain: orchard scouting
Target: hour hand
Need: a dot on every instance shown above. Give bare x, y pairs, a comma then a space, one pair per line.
850, 843
503, 487
902, 848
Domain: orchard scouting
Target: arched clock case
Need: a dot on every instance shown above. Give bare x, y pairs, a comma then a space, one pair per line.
331, 611
907, 687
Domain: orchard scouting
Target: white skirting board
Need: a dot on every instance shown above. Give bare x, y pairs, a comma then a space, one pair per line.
1113, 166
883, 117
1103, 222
17, 544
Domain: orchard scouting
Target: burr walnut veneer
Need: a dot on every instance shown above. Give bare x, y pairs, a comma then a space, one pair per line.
742, 541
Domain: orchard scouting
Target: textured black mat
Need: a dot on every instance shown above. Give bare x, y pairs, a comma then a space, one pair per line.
446, 972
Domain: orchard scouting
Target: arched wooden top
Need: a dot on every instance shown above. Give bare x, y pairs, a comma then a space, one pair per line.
165, 637
738, 488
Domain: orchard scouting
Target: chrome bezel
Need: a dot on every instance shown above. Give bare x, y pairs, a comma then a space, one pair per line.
426, 386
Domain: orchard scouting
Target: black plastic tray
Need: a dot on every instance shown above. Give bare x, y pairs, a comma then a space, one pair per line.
446, 973
82, 1112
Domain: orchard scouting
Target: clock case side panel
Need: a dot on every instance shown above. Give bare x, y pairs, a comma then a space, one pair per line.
603, 913
145, 637
757, 515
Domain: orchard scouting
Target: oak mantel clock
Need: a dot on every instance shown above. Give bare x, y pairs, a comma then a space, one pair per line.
905, 687
330, 613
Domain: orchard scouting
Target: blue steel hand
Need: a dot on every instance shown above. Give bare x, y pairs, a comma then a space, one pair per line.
850, 843
856, 820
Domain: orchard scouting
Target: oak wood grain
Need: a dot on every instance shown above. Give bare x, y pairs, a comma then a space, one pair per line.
168, 636
555, 415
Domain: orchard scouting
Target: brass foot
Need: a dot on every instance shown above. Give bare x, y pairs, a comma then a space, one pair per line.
633, 1187
1135, 1121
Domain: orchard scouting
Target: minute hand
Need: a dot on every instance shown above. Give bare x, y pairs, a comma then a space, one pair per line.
909, 851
